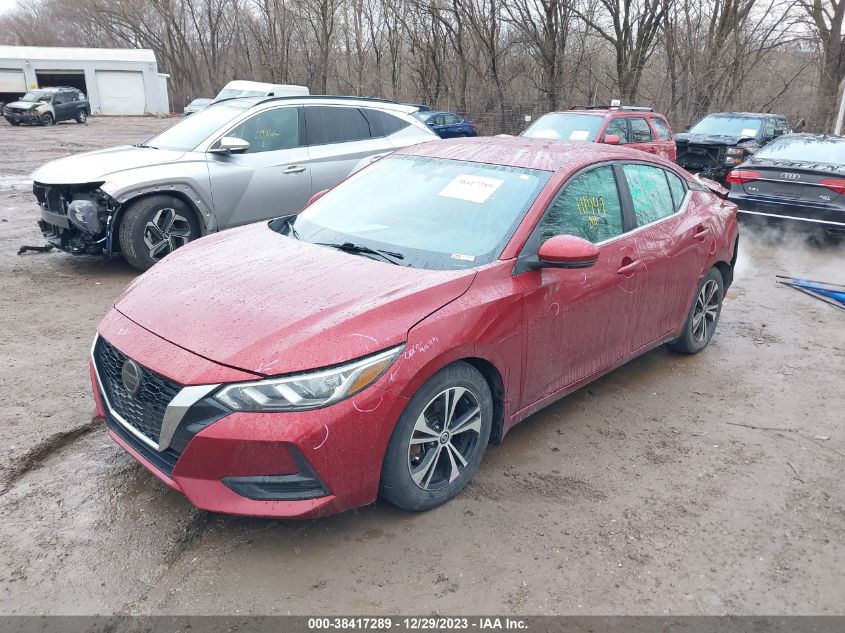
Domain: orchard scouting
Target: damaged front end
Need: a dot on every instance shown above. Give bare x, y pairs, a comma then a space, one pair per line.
712, 157
76, 218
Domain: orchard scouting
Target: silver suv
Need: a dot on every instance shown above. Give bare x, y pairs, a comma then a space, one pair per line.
237, 161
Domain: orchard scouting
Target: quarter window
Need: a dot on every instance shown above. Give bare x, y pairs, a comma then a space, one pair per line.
588, 207
640, 132
677, 188
384, 124
270, 131
662, 129
649, 192
619, 127
334, 124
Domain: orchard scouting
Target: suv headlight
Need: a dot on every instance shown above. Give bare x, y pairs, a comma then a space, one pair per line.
735, 151
311, 390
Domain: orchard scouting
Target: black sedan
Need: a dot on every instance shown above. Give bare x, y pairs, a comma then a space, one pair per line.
796, 177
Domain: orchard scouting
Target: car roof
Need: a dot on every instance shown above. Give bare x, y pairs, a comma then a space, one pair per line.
54, 89
528, 153
751, 115
606, 112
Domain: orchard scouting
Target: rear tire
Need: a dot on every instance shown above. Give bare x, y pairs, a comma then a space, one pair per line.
154, 227
47, 119
439, 440
703, 315
82, 117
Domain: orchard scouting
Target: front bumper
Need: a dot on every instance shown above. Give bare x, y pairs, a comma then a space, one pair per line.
827, 216
287, 465
21, 117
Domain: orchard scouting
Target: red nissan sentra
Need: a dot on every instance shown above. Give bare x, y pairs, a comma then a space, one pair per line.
375, 343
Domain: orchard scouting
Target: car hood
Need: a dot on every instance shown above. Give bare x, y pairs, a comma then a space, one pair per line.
711, 139
99, 165
24, 104
255, 300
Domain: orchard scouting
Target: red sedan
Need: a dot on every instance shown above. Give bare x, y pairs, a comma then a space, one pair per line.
375, 343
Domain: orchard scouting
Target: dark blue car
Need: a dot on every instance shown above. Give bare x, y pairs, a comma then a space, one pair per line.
448, 124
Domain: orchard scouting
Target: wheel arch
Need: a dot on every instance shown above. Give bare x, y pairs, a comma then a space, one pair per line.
497, 389
182, 196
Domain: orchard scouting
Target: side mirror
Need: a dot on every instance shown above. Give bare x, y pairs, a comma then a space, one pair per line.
316, 197
611, 139
567, 251
231, 145
778, 133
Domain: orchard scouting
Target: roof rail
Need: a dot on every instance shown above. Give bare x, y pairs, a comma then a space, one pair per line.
306, 97
612, 107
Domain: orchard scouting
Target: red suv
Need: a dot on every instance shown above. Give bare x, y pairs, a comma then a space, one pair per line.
634, 126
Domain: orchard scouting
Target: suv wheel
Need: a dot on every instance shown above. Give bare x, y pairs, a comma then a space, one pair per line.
47, 119
439, 440
154, 227
81, 116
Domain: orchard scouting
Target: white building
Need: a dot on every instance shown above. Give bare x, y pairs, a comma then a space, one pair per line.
116, 80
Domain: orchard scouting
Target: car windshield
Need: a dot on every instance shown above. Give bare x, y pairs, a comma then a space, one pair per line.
193, 130
33, 97
806, 149
728, 126
231, 93
565, 126
433, 213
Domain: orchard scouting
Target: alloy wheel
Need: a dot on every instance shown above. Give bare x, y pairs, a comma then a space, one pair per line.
706, 311
444, 439
167, 231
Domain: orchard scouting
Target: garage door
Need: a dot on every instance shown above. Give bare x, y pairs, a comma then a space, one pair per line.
121, 92
12, 81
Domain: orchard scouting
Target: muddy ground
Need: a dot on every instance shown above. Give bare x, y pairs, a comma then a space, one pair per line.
676, 485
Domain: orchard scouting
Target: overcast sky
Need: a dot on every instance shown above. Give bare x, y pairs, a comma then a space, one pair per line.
5, 5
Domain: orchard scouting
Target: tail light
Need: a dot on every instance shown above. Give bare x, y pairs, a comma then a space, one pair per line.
474, 126
741, 176
836, 184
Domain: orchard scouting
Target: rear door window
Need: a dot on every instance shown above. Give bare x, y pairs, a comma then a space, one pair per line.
650, 193
662, 129
588, 207
640, 131
326, 125
619, 127
269, 131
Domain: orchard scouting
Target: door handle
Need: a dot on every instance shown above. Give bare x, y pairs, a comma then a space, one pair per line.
629, 266
701, 232
293, 169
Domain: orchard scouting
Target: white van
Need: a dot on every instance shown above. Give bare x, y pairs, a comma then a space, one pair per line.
241, 88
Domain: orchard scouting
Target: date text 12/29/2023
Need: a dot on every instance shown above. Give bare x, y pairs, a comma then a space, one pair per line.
422, 623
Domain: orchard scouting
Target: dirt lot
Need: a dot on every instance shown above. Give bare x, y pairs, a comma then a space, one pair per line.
676, 485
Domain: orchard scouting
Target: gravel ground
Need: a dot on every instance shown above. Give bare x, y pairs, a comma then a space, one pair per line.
675, 485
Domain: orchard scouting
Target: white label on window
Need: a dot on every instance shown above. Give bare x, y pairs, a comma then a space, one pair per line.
463, 258
579, 135
546, 133
749, 132
471, 188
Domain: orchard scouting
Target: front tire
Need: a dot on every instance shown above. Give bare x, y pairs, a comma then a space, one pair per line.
154, 227
439, 440
703, 315
47, 119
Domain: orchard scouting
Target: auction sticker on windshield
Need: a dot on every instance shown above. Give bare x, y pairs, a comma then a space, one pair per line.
471, 188
749, 132
579, 135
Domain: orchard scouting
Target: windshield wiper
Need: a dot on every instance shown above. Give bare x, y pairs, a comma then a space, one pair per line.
145, 145
360, 249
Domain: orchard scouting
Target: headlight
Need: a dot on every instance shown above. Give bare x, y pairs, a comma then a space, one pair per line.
735, 151
308, 391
